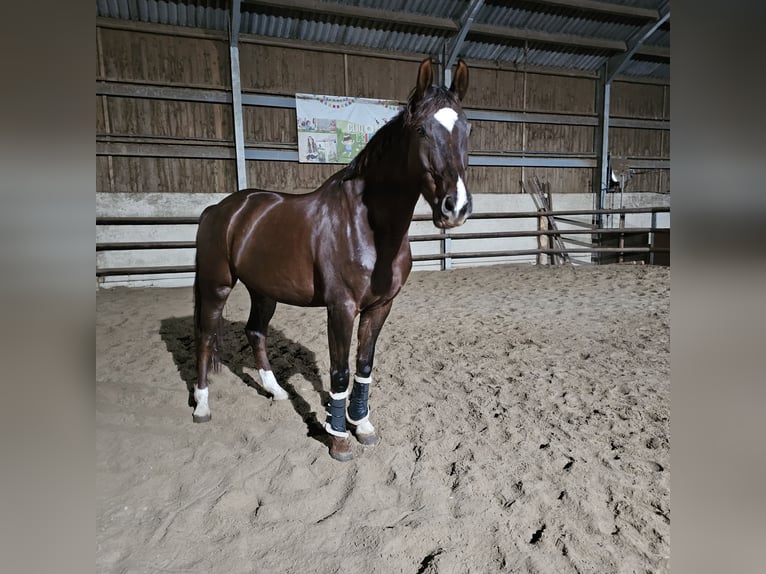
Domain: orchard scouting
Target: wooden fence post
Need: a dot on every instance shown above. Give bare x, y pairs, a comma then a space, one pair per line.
542, 240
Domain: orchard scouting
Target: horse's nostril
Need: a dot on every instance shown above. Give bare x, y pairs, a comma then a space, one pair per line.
448, 205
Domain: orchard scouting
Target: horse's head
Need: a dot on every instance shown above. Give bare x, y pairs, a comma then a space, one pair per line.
438, 148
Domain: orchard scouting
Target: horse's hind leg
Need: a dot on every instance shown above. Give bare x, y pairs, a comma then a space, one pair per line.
208, 302
261, 312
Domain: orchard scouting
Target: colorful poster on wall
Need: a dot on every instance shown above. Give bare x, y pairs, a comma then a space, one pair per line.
334, 129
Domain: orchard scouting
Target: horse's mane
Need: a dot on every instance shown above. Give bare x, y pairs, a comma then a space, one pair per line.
391, 134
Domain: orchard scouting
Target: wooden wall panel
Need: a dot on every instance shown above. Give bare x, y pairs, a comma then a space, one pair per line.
491, 179
137, 56
495, 89
102, 174
134, 56
643, 180
649, 180
381, 78
631, 100
560, 94
169, 175
562, 180
285, 71
288, 177
168, 118
554, 138
272, 125
630, 142
495, 137
485, 179
664, 182
100, 117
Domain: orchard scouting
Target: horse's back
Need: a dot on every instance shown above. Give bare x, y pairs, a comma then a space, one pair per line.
219, 221
225, 210
237, 212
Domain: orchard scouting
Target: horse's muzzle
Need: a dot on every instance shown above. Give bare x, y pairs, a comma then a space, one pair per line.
450, 214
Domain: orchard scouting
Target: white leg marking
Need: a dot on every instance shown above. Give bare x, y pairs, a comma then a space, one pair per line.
365, 427
269, 382
462, 195
446, 117
200, 397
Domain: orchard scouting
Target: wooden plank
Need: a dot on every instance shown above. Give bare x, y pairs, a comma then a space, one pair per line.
173, 175
495, 89
643, 101
287, 70
561, 95
137, 55
370, 77
167, 118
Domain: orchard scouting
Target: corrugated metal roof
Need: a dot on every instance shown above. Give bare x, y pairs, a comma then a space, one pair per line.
209, 14
345, 23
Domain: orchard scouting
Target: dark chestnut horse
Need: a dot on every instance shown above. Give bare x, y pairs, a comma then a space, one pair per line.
343, 246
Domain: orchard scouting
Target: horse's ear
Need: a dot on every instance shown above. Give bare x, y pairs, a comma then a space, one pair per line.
460, 80
425, 78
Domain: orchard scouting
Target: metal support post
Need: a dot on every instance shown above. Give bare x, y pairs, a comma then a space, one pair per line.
446, 250
236, 96
601, 177
455, 44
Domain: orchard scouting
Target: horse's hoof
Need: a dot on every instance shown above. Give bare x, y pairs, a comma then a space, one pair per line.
367, 439
280, 395
201, 418
340, 449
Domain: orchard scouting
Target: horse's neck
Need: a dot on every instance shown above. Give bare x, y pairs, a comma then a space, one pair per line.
390, 192
390, 197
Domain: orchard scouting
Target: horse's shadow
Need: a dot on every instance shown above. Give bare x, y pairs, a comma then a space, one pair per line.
287, 358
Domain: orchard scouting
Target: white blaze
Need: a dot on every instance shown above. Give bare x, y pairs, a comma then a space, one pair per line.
446, 117
462, 195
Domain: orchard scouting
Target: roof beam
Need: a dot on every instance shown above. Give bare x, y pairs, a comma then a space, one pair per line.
346, 11
652, 50
604, 8
456, 44
616, 63
507, 33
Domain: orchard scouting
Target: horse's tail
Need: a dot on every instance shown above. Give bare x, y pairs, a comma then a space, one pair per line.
214, 359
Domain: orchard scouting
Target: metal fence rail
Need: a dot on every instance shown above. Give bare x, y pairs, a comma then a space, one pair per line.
445, 238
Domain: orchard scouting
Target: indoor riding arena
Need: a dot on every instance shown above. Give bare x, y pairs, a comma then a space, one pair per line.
514, 155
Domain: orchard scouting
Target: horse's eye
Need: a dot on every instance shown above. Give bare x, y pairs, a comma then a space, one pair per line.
421, 130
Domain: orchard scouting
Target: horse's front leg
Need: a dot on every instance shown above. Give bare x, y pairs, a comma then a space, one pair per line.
340, 324
370, 324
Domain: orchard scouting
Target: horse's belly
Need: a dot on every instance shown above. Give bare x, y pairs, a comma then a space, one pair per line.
279, 278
